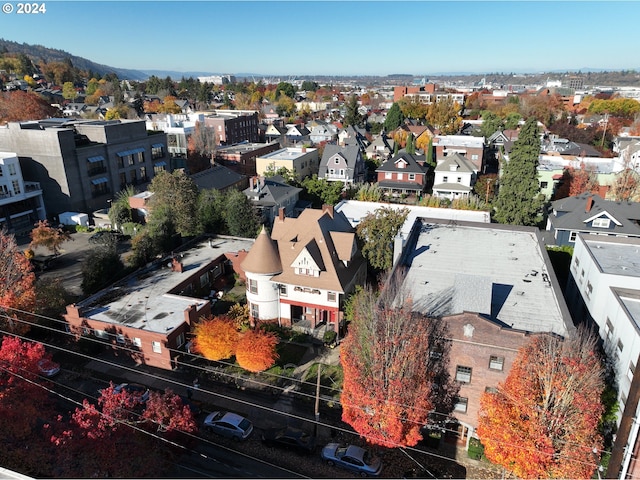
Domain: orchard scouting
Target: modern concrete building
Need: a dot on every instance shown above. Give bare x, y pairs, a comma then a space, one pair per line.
21, 203
604, 291
81, 164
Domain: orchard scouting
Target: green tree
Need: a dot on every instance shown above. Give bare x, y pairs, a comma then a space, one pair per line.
175, 195
322, 192
352, 116
210, 213
394, 118
377, 232
101, 267
286, 106
491, 123
512, 120
68, 91
309, 86
445, 115
285, 88
120, 211
240, 216
517, 202
411, 146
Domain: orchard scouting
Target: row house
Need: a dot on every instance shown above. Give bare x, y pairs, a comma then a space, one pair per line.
21, 202
403, 174
342, 164
82, 164
301, 274
473, 148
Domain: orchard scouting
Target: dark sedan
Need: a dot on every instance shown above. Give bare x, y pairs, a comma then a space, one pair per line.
291, 438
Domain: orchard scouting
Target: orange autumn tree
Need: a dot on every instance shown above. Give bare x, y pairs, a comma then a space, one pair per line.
576, 181
256, 350
390, 385
216, 338
543, 420
17, 284
48, 236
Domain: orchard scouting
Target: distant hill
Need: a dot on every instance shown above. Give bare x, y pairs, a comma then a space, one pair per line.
38, 52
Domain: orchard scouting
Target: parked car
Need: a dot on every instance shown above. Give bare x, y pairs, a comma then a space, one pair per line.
48, 367
227, 424
352, 457
106, 236
134, 389
291, 438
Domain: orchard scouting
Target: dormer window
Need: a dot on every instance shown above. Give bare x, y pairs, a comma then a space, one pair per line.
337, 161
601, 223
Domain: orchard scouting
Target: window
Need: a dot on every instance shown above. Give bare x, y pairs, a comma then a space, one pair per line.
445, 179
608, 329
400, 176
100, 333
156, 347
283, 290
630, 372
180, 340
157, 151
620, 346
589, 290
388, 175
16, 187
459, 179
601, 223
496, 363
572, 236
137, 342
331, 296
159, 167
463, 374
120, 339
474, 156
253, 286
337, 161
140, 157
1, 171
255, 310
544, 184
461, 405
491, 389
412, 176
12, 168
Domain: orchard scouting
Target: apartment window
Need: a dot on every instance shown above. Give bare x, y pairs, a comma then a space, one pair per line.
12, 169
157, 151
253, 286
474, 156
140, 156
143, 173
137, 342
1, 174
331, 296
16, 187
180, 340
572, 236
491, 389
496, 363
631, 371
100, 333
601, 223
582, 273
576, 260
544, 184
283, 290
412, 176
159, 167
156, 347
461, 405
620, 346
120, 339
463, 374
255, 310
608, 329
589, 290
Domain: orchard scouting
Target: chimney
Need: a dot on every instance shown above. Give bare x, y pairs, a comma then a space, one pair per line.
281, 214
304, 149
328, 208
589, 203
251, 183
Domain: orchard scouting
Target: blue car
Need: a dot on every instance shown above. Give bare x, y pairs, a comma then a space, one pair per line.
352, 457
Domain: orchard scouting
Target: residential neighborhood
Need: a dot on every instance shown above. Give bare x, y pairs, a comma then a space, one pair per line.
375, 261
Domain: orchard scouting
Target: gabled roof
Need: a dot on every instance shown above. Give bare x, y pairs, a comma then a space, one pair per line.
270, 191
458, 162
316, 229
573, 213
348, 152
412, 165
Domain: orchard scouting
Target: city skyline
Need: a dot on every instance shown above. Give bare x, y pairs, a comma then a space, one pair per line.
335, 38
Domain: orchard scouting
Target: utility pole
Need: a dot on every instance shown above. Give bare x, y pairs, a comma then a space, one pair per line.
317, 407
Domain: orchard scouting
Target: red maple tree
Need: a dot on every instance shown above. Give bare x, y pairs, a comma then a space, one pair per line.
543, 421
256, 350
17, 284
387, 391
18, 106
167, 413
215, 338
48, 236
576, 181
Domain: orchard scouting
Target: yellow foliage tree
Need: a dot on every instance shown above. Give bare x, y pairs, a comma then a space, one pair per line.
215, 338
256, 350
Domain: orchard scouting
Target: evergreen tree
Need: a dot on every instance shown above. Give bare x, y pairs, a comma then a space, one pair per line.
394, 118
240, 217
352, 117
517, 202
411, 146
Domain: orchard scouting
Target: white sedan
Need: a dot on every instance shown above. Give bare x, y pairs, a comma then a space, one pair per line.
229, 425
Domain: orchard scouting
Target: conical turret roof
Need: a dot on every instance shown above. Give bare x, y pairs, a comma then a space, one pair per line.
263, 258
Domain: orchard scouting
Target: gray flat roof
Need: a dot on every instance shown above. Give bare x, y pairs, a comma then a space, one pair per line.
615, 255
498, 271
142, 299
630, 301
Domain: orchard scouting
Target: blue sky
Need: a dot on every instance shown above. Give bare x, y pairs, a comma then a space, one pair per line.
338, 37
